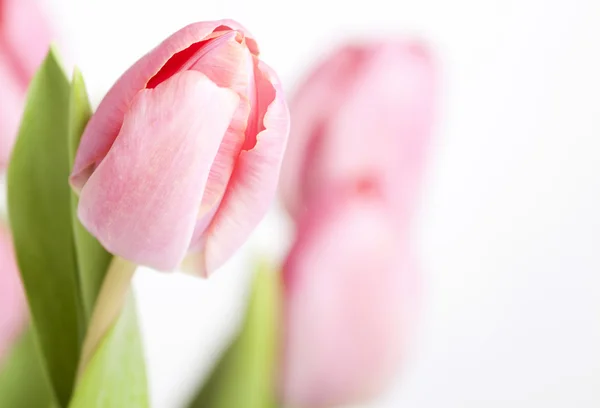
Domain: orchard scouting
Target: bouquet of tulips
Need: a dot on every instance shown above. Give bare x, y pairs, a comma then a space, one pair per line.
173, 170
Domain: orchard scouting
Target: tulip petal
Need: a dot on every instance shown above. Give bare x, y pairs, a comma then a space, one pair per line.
12, 300
254, 181
344, 304
227, 62
317, 99
222, 169
104, 126
25, 35
391, 103
249, 38
366, 111
228, 65
10, 110
142, 200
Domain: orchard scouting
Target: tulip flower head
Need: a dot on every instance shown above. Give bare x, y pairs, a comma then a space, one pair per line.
361, 127
366, 109
24, 40
183, 154
350, 295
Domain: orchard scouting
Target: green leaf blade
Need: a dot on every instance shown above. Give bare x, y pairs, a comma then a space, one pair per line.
116, 375
39, 207
245, 375
92, 259
23, 381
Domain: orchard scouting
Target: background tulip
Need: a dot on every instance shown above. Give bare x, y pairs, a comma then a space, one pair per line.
350, 296
12, 300
361, 126
367, 109
24, 40
184, 151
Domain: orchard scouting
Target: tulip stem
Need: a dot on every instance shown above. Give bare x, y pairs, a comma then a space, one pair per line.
109, 305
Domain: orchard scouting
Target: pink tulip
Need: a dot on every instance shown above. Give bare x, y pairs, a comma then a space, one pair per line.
350, 297
13, 310
24, 40
361, 127
366, 110
183, 154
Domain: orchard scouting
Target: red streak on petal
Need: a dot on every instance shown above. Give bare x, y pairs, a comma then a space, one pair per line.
261, 97
191, 54
174, 64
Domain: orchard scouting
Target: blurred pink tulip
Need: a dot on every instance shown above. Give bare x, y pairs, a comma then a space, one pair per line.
13, 310
183, 154
361, 127
366, 110
351, 292
24, 40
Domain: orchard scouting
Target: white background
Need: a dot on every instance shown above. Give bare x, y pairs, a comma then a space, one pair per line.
509, 232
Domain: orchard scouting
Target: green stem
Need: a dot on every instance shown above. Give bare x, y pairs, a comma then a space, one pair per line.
109, 305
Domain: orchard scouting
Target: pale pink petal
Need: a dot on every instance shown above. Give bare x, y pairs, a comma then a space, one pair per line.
316, 100
364, 113
105, 124
254, 181
384, 127
226, 61
13, 310
222, 169
24, 40
25, 35
228, 64
11, 107
347, 289
249, 38
143, 199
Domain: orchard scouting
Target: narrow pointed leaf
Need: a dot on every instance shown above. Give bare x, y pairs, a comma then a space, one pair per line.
92, 259
245, 375
116, 375
39, 208
23, 381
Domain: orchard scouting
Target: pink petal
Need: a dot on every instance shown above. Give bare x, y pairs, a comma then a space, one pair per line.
228, 64
142, 201
13, 310
317, 99
25, 35
384, 127
379, 128
13, 99
104, 125
254, 181
24, 40
348, 289
222, 169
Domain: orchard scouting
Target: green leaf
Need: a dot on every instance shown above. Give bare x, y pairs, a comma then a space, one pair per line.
62, 265
23, 382
92, 259
245, 375
39, 208
115, 376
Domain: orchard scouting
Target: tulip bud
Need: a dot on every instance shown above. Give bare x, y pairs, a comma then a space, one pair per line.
350, 296
361, 124
24, 40
367, 109
183, 153
13, 310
